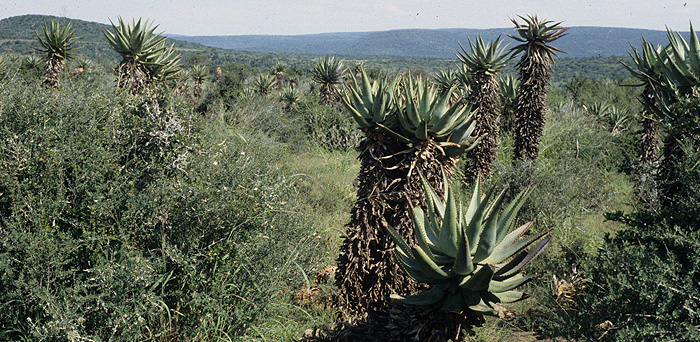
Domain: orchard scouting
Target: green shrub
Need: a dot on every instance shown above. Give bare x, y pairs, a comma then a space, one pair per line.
121, 221
643, 286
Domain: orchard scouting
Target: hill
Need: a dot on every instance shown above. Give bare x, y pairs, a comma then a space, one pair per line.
397, 50
17, 36
580, 42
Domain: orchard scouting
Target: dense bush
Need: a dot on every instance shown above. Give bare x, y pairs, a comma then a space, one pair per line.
121, 221
644, 282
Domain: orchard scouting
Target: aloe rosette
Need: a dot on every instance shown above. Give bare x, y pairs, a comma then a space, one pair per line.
471, 257
411, 111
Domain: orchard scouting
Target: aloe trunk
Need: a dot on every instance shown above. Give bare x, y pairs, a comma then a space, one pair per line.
398, 323
485, 96
649, 142
389, 185
52, 71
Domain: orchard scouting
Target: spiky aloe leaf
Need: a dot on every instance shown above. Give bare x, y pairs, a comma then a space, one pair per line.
431, 296
480, 280
531, 255
509, 284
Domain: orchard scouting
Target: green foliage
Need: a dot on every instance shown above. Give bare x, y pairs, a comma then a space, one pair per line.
643, 286
140, 227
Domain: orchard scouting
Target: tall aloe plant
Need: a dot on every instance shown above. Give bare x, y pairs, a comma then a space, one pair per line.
648, 69
409, 130
484, 61
328, 73
535, 37
681, 81
57, 42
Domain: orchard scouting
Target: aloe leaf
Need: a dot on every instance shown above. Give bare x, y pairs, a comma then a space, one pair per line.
448, 230
398, 240
463, 262
411, 267
509, 284
455, 303
509, 296
504, 251
432, 197
509, 214
428, 265
431, 296
480, 280
532, 254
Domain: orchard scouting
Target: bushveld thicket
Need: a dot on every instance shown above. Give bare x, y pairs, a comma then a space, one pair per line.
142, 212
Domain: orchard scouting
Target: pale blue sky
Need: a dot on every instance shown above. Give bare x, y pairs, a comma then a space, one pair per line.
220, 17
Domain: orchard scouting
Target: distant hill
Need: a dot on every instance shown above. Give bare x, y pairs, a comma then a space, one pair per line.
397, 50
17, 36
580, 42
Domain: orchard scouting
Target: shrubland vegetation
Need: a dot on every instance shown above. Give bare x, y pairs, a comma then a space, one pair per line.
212, 201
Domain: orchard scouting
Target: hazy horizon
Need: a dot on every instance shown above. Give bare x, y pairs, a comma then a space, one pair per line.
297, 17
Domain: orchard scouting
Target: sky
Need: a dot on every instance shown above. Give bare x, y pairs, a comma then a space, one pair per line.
290, 17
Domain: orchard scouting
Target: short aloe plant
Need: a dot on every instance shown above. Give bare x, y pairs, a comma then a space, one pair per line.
471, 257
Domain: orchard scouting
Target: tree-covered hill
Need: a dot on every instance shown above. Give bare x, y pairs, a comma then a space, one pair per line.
442, 43
17, 35
391, 50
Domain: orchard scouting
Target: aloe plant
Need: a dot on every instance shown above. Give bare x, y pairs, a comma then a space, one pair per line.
328, 72
470, 254
681, 81
535, 37
484, 61
264, 84
198, 74
648, 68
57, 42
145, 57
509, 86
409, 130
